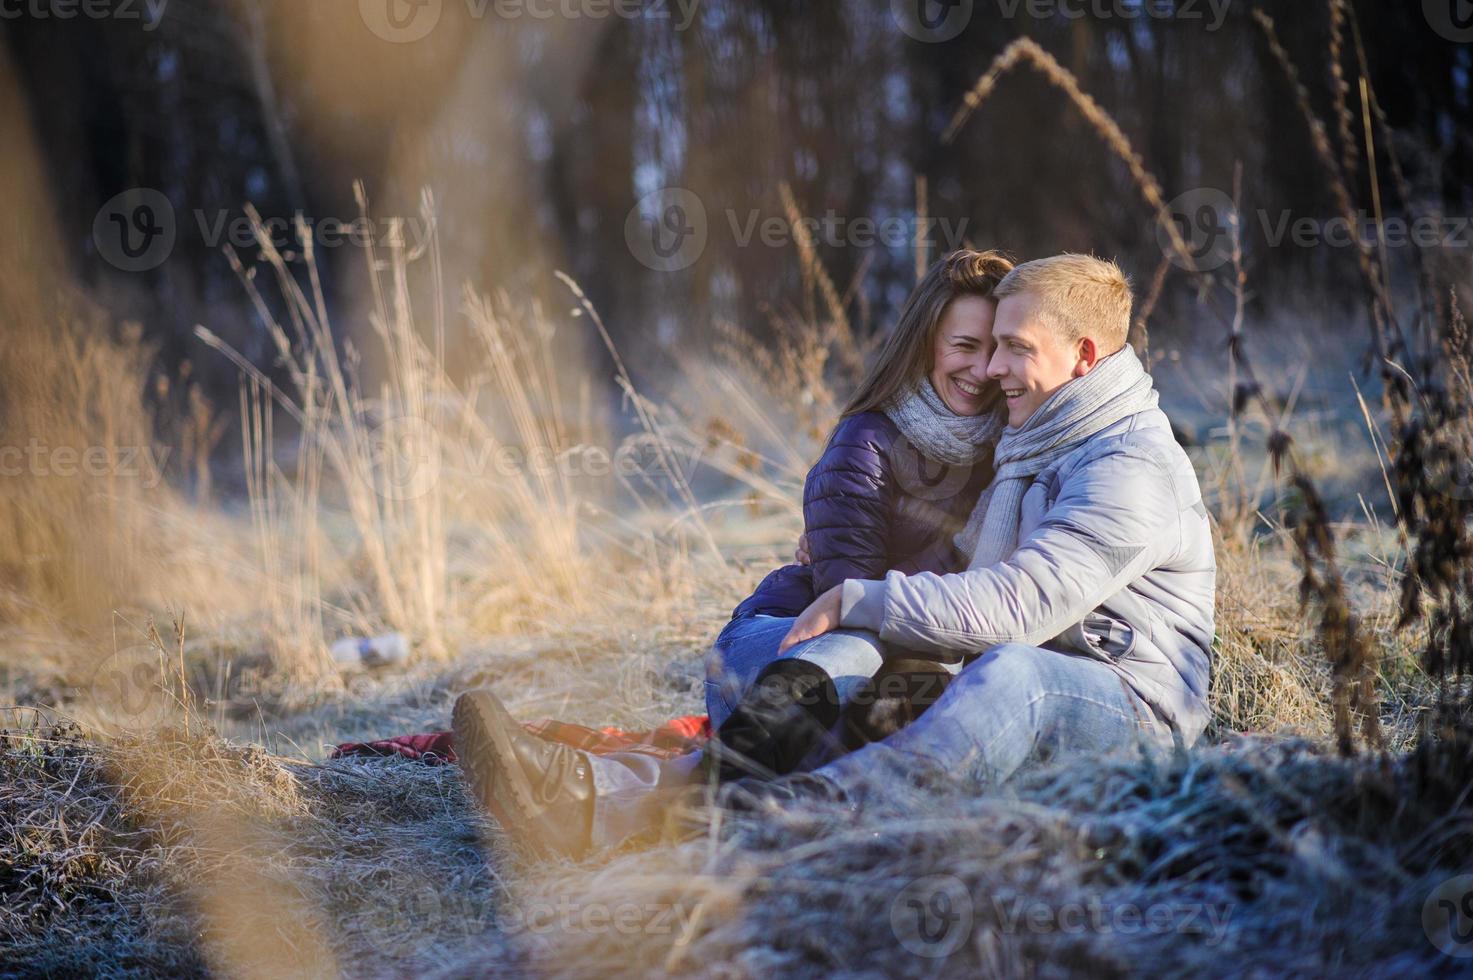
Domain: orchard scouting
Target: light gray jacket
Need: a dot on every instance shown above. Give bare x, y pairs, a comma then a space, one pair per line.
1115, 561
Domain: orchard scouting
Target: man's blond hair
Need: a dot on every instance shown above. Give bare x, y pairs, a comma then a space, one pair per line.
1078, 296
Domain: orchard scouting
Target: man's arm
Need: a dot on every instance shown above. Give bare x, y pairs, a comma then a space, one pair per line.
1115, 518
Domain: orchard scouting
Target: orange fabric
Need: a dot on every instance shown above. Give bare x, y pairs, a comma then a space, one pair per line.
675, 737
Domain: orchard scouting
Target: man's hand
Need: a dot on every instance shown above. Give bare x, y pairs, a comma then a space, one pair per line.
819, 618
801, 556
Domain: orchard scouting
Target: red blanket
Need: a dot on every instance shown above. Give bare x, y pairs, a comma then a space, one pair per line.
675, 737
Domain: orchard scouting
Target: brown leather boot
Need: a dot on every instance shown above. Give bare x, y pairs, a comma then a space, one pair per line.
541, 792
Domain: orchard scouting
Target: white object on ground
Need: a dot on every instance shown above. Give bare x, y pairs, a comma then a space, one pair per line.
373, 651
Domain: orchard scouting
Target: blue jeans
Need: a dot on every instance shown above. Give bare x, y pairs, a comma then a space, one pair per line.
1011, 706
745, 646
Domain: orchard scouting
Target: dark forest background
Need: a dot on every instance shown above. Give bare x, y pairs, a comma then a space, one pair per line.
537, 137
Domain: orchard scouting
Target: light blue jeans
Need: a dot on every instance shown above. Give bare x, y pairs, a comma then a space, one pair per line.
1011, 706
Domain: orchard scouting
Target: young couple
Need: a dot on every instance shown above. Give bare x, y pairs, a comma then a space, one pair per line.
1001, 518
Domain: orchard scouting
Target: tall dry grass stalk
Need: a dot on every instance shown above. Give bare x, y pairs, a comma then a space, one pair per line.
1026, 51
1353, 660
471, 505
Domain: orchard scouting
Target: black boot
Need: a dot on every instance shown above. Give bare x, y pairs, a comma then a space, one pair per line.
541, 792
897, 695
790, 708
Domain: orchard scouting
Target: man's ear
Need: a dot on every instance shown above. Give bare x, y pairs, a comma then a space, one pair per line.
1087, 356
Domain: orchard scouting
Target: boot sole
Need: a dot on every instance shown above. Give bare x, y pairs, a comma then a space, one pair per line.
490, 765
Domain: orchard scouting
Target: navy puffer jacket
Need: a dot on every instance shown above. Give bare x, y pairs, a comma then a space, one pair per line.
871, 503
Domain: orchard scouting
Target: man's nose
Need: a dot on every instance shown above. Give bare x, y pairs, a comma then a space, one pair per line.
995, 367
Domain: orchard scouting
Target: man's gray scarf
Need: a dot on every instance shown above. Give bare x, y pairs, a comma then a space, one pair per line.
1117, 388
938, 432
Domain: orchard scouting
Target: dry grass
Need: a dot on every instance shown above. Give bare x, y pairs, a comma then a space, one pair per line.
192, 826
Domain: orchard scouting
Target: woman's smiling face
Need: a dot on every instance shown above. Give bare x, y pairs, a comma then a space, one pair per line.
962, 350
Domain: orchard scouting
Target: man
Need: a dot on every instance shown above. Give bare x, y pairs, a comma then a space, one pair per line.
1084, 619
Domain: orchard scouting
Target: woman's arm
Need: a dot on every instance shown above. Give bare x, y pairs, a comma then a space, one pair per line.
847, 506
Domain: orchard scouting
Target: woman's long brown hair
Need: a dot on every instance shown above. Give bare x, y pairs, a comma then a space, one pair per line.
906, 356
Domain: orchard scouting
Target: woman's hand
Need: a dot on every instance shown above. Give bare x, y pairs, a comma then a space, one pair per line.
819, 618
801, 556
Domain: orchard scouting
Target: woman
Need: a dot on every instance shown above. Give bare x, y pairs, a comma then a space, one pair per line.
898, 478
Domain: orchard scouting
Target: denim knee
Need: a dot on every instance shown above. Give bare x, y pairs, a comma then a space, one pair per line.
1007, 669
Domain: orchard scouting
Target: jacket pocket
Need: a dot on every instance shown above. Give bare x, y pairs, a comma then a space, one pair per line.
1113, 638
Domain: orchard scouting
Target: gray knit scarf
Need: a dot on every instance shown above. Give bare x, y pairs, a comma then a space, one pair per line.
1117, 388
938, 432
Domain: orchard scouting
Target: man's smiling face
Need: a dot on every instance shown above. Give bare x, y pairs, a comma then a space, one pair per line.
1032, 361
